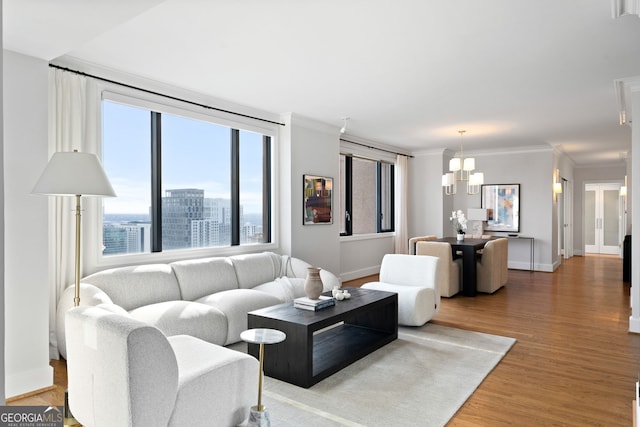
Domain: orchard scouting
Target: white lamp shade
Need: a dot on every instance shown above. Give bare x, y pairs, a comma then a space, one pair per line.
476, 179
454, 164
557, 187
623, 190
74, 173
447, 179
469, 164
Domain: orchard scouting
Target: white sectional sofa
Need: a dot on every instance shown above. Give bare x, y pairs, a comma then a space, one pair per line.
206, 298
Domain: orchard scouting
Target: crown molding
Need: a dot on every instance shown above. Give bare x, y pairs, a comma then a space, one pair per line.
625, 7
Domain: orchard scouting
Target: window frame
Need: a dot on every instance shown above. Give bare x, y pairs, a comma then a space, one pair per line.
94, 259
348, 188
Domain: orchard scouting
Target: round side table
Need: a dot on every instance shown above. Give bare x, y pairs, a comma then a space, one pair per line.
259, 417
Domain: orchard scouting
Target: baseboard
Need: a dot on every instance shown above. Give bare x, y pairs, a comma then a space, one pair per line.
356, 274
525, 265
30, 393
27, 381
634, 324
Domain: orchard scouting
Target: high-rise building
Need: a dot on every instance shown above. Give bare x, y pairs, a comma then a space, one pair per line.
129, 238
179, 208
114, 239
189, 220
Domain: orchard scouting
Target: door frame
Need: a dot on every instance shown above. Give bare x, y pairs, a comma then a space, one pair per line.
601, 248
567, 221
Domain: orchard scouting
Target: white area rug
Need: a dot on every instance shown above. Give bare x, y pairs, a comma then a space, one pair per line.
421, 379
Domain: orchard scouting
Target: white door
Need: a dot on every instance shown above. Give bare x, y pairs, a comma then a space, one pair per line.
602, 218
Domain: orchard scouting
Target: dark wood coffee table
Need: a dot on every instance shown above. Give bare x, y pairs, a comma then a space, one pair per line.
321, 343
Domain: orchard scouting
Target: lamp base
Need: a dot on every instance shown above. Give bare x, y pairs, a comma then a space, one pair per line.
69, 420
259, 418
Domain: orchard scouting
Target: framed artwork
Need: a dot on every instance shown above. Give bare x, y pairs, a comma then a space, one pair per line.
317, 200
502, 202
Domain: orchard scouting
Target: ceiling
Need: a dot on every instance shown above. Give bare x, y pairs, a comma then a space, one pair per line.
408, 73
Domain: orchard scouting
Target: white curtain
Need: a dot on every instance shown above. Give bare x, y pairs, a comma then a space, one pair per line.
401, 191
73, 124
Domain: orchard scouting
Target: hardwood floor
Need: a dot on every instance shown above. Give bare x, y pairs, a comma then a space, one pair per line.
574, 363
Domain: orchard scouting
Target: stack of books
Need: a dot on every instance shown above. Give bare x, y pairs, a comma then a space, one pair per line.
305, 303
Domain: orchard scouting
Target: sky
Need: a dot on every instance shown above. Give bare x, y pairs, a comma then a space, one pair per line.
195, 154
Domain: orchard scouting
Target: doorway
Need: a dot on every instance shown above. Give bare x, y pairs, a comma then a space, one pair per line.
565, 220
602, 218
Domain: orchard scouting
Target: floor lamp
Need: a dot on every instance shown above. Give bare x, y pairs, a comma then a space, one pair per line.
74, 174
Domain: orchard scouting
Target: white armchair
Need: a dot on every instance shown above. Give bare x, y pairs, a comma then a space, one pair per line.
123, 372
413, 278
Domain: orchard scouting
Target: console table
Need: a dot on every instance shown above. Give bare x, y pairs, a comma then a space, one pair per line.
531, 249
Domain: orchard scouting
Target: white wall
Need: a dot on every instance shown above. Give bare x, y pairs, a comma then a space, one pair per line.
26, 306
308, 147
428, 210
2, 311
361, 256
532, 169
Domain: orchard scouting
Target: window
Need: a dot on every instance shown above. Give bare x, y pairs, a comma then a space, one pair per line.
366, 196
182, 182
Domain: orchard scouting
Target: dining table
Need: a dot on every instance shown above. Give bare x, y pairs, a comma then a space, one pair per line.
468, 249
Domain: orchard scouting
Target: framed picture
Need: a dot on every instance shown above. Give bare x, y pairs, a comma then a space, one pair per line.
317, 200
503, 204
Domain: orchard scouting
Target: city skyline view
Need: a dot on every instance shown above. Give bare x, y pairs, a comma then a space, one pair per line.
127, 159
189, 220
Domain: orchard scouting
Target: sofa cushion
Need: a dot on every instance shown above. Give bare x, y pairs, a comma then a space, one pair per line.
255, 269
235, 304
285, 288
200, 277
135, 286
185, 318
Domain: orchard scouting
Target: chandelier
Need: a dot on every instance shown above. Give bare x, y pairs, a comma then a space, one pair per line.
461, 169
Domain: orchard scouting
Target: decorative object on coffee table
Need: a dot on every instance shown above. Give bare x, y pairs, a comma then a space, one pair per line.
313, 286
259, 417
322, 302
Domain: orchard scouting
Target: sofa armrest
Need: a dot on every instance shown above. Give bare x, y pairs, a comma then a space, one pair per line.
89, 296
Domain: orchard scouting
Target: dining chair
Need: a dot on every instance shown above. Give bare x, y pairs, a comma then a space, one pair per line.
492, 268
449, 277
414, 240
